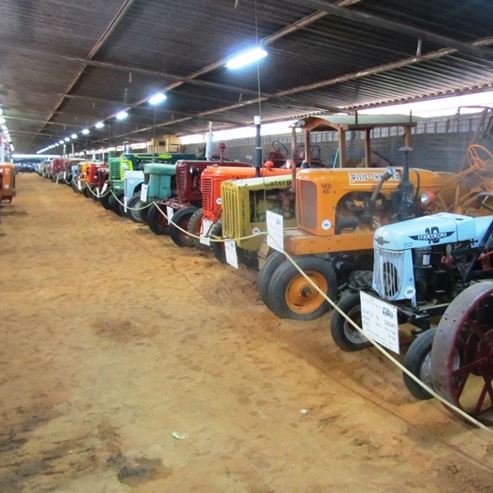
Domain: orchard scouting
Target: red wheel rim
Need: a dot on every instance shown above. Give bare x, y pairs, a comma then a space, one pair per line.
462, 354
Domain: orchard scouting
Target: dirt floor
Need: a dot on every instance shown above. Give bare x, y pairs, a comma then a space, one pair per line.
128, 364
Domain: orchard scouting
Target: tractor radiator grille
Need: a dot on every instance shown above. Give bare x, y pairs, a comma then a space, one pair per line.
181, 181
307, 204
115, 169
207, 199
388, 269
229, 219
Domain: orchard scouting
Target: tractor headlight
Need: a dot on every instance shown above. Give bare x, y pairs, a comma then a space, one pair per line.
427, 198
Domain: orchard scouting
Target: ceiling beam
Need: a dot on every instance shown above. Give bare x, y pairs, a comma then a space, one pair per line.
393, 26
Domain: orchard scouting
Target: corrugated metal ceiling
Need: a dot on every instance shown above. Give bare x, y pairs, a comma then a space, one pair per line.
151, 44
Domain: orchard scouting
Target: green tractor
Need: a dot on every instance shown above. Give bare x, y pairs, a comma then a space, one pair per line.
244, 206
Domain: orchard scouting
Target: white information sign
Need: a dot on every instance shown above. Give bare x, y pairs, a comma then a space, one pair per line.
125, 204
97, 192
65, 175
170, 212
205, 227
230, 250
275, 226
143, 193
105, 186
380, 321
79, 186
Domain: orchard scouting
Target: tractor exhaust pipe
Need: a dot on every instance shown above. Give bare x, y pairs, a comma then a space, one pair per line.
222, 147
258, 145
406, 188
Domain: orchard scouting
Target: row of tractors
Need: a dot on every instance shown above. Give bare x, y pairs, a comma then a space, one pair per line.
400, 242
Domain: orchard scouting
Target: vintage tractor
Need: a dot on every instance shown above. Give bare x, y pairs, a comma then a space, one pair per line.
7, 182
244, 206
431, 269
207, 220
188, 198
80, 182
93, 179
337, 211
57, 167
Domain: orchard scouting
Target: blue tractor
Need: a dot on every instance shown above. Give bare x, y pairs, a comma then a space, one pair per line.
434, 272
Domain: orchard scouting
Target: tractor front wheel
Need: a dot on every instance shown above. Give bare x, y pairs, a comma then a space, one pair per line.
194, 225
105, 200
182, 219
117, 203
217, 247
343, 333
272, 262
157, 223
418, 362
134, 203
292, 296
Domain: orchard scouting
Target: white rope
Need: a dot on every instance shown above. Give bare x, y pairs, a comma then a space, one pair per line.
131, 208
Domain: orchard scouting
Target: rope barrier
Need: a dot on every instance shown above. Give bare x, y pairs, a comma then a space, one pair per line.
333, 304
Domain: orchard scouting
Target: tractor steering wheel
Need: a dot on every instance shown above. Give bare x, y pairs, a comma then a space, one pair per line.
279, 147
475, 160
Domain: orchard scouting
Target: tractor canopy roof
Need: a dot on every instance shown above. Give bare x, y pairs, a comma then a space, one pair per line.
355, 122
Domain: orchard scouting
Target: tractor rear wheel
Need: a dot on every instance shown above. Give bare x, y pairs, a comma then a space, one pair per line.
343, 333
292, 296
87, 192
157, 223
134, 203
194, 226
272, 262
217, 247
462, 352
182, 219
418, 362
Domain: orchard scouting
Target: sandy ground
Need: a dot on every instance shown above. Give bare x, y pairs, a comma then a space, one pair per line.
113, 339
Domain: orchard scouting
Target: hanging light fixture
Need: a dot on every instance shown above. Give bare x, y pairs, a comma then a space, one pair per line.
246, 57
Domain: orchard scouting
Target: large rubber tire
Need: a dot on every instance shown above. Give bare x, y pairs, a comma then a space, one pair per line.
418, 362
344, 335
291, 296
117, 206
134, 202
105, 200
157, 222
87, 193
194, 225
182, 219
272, 262
144, 212
217, 247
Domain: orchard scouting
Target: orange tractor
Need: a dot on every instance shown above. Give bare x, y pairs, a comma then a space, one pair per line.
337, 212
7, 182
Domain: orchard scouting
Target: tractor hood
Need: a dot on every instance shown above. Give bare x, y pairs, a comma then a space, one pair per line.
159, 169
427, 231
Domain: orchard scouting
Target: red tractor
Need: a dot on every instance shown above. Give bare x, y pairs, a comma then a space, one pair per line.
94, 178
56, 169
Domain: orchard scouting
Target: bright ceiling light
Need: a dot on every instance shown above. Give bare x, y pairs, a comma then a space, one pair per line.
246, 58
157, 98
73, 136
85, 131
99, 125
61, 142
121, 115
67, 139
